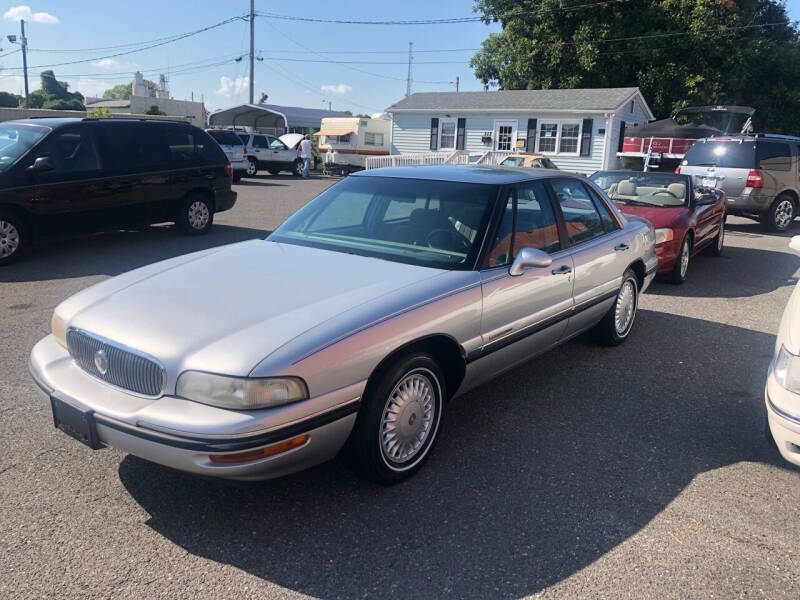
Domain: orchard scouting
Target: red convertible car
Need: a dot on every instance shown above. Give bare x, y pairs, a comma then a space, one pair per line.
687, 218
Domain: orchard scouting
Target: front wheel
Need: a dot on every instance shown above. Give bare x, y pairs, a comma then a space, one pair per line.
616, 325
196, 215
297, 169
681, 267
780, 215
399, 420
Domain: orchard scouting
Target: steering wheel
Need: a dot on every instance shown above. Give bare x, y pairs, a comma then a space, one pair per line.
453, 235
663, 192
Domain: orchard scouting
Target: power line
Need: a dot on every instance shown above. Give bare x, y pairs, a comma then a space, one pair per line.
368, 62
282, 51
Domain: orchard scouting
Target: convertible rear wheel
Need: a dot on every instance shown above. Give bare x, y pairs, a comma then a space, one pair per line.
399, 421
715, 248
617, 323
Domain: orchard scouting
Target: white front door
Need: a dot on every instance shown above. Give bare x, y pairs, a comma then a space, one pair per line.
505, 135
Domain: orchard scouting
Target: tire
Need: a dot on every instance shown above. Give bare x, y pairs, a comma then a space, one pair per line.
13, 237
611, 330
387, 455
297, 169
717, 245
678, 273
252, 167
196, 215
274, 171
780, 215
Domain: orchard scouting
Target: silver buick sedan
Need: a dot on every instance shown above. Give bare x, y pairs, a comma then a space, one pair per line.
354, 323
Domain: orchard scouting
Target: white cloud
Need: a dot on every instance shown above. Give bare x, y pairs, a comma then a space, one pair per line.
89, 87
106, 63
232, 87
15, 13
16, 85
339, 90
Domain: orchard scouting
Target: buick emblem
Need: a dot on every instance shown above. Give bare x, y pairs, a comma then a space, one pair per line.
101, 361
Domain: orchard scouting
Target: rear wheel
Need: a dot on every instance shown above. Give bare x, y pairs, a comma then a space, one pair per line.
196, 215
678, 273
399, 420
297, 170
252, 167
780, 215
617, 323
13, 237
715, 248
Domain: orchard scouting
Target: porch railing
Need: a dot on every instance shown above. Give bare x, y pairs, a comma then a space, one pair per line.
417, 158
493, 157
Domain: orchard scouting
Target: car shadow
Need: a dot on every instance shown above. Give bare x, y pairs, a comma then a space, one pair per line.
737, 273
752, 228
537, 475
115, 252
258, 181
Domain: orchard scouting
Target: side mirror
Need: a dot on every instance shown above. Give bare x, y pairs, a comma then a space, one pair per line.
529, 258
706, 199
41, 164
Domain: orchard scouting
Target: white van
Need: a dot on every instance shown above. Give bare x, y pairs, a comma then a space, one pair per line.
346, 142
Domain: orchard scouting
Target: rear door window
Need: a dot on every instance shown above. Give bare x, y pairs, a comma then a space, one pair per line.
260, 141
581, 218
774, 156
732, 155
227, 138
127, 147
187, 146
609, 222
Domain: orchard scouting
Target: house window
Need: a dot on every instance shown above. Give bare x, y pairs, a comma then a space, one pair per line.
373, 139
447, 134
559, 137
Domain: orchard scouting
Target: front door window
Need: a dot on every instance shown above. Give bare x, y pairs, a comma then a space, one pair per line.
505, 132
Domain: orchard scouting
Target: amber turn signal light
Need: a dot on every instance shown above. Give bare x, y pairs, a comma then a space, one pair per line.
240, 457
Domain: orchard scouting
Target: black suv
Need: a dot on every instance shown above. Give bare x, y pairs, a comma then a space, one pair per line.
65, 175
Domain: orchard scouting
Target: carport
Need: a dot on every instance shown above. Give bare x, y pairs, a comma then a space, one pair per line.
277, 119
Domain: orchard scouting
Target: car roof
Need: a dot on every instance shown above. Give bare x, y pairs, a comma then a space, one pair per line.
55, 122
464, 173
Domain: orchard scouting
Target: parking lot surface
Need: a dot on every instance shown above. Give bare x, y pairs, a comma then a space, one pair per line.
640, 471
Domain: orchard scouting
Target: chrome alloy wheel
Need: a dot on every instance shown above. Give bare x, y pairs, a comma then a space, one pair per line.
198, 214
625, 308
784, 214
9, 239
684, 258
251, 168
721, 238
409, 418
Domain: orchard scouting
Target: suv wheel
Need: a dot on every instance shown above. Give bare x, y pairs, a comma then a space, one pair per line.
298, 168
12, 237
781, 214
196, 216
252, 167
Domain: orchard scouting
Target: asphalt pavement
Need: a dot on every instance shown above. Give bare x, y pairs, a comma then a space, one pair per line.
639, 471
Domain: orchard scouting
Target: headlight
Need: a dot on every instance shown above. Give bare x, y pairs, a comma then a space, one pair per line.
787, 370
59, 329
663, 235
240, 393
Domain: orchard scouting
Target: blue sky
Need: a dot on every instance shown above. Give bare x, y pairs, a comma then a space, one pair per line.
204, 64
55, 25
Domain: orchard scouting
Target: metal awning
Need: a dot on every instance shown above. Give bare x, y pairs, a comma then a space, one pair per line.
335, 132
248, 115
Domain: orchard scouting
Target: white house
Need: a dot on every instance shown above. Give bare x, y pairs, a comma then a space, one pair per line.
578, 129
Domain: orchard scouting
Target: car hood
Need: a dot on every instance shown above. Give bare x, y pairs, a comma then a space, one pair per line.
226, 310
658, 216
291, 139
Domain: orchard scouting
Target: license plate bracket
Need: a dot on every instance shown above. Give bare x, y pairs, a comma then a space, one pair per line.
76, 421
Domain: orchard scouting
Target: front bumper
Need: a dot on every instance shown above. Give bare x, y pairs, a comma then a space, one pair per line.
667, 254
182, 434
783, 416
225, 200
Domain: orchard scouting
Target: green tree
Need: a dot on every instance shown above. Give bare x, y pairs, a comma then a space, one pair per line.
152, 109
679, 52
55, 95
8, 100
123, 91
101, 112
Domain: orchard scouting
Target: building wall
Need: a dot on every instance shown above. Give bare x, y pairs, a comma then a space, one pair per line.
411, 133
194, 112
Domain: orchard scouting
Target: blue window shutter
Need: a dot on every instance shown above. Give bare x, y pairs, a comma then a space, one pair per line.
461, 128
434, 134
531, 143
586, 137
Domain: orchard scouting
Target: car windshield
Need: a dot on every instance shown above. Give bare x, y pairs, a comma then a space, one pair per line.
16, 140
644, 189
227, 138
436, 224
513, 161
731, 155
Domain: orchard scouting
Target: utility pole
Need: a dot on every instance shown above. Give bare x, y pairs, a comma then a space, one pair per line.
456, 83
24, 43
252, 46
408, 77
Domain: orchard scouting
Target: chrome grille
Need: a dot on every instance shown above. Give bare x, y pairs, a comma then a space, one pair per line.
125, 369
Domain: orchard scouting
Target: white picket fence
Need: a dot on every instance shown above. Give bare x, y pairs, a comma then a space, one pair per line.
417, 158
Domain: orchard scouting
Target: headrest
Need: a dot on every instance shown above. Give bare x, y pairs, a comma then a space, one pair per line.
626, 188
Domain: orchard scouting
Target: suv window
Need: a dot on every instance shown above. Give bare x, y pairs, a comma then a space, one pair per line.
260, 141
245, 138
774, 156
188, 146
71, 150
227, 138
535, 225
131, 146
732, 155
276, 144
580, 215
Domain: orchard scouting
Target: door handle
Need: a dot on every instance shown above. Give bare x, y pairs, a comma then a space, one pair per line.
562, 270
621, 247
